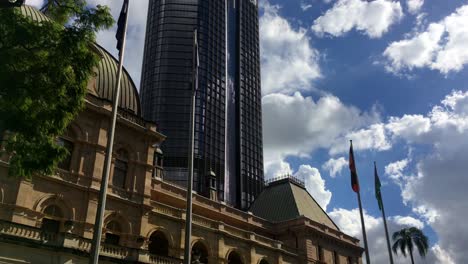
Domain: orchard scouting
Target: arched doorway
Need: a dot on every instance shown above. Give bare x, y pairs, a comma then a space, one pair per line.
263, 261
51, 220
234, 258
158, 244
113, 231
199, 253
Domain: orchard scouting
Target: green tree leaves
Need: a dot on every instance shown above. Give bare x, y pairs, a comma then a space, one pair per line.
44, 71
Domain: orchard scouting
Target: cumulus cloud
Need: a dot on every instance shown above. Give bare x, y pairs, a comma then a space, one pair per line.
395, 169
373, 137
440, 47
436, 191
407, 221
414, 5
415, 52
276, 168
315, 184
316, 124
334, 166
289, 63
349, 222
372, 18
432, 182
410, 127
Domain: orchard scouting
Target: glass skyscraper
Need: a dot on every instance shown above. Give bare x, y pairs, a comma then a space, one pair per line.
228, 121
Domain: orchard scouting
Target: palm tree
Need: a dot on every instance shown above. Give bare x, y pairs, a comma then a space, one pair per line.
406, 238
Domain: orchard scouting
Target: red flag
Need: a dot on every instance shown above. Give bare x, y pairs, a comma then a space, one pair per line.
352, 168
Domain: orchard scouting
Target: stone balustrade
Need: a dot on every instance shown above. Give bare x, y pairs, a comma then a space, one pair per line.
72, 241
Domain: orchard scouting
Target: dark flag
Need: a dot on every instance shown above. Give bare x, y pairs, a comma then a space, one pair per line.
352, 168
121, 26
378, 194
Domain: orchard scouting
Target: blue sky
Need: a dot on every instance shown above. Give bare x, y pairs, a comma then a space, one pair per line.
390, 75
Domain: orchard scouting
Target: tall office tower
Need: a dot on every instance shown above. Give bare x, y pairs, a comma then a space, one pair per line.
228, 120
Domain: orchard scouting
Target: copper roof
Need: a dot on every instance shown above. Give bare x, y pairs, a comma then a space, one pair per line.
106, 73
287, 199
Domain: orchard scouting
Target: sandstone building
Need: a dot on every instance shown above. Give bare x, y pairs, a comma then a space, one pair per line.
49, 219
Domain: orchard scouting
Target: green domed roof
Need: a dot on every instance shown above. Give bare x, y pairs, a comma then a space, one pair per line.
106, 74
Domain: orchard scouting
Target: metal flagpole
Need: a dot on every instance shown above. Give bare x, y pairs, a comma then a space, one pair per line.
363, 228
188, 214
97, 232
356, 189
385, 222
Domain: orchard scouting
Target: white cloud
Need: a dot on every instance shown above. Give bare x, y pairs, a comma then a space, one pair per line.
373, 18
437, 190
335, 166
316, 124
443, 257
432, 181
315, 184
440, 47
395, 169
415, 52
373, 137
410, 127
289, 63
349, 222
305, 5
408, 221
414, 5
35, 3
276, 168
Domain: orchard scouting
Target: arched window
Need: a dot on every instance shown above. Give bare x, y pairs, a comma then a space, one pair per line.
158, 244
158, 163
199, 253
68, 145
51, 220
112, 236
234, 258
120, 169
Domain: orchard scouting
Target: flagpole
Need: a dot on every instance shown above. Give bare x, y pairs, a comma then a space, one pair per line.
363, 228
188, 214
97, 232
356, 189
385, 222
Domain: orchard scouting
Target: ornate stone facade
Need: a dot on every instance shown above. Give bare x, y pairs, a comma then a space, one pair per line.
49, 219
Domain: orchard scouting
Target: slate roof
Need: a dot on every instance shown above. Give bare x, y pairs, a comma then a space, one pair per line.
286, 199
106, 73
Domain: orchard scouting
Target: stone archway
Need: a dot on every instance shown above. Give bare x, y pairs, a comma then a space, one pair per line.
199, 253
158, 244
234, 258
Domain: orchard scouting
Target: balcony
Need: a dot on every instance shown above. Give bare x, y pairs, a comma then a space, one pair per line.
31, 237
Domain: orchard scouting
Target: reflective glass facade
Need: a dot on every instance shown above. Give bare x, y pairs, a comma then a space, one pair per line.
228, 136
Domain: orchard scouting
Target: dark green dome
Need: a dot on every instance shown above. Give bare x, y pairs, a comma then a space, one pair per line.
104, 85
